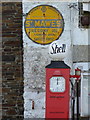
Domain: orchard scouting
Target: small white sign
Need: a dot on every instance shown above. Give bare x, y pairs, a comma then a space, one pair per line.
57, 51
86, 6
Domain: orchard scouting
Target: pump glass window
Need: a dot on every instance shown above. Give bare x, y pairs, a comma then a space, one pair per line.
57, 84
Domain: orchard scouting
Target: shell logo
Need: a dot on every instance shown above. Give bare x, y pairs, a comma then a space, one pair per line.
58, 51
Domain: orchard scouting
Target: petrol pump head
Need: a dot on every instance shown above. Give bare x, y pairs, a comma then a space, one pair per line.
78, 72
58, 51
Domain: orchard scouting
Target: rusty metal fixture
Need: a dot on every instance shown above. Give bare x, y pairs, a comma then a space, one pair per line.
32, 104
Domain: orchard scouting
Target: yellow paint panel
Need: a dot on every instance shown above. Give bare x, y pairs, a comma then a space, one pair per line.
44, 24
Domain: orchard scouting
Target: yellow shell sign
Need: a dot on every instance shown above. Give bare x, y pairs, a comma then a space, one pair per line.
44, 24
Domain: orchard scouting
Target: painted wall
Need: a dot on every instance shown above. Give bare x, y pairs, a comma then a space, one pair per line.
36, 56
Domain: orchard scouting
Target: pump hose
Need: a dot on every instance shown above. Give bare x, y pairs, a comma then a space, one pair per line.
73, 100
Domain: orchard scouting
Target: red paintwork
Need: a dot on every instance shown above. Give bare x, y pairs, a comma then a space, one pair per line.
75, 76
57, 104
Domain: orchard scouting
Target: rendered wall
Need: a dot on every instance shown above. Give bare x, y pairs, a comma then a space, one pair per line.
36, 57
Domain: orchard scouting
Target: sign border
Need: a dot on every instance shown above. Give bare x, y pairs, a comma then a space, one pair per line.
56, 10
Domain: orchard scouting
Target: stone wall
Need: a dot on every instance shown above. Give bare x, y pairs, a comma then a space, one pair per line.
12, 62
0, 63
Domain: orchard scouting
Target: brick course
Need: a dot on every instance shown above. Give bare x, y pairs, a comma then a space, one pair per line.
12, 62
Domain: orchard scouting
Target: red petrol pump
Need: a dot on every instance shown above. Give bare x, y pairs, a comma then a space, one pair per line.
57, 90
77, 76
58, 84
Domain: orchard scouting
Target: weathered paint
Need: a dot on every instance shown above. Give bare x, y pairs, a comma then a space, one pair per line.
44, 24
36, 56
